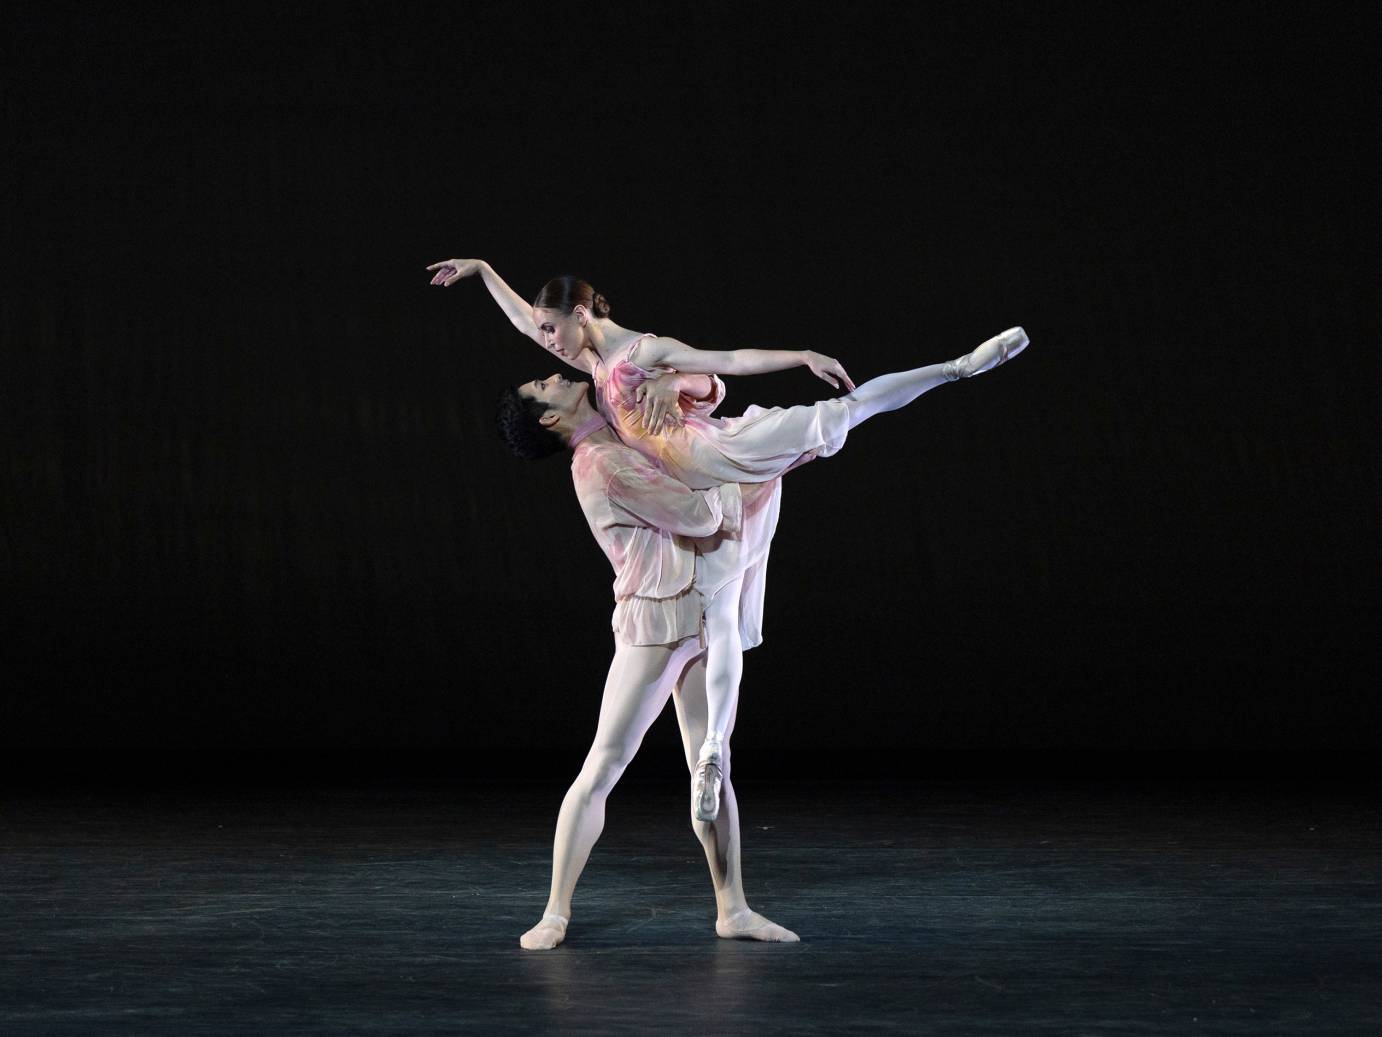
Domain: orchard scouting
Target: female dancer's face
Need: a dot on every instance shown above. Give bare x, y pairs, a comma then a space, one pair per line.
562, 335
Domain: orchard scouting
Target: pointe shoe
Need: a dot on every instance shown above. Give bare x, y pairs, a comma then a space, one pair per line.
987, 355
705, 787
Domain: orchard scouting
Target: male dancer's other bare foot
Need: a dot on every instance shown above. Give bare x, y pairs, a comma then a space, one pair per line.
545, 935
750, 925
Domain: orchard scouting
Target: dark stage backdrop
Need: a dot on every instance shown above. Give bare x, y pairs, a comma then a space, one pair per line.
256, 519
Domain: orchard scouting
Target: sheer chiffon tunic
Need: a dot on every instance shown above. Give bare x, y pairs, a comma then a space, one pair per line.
753, 450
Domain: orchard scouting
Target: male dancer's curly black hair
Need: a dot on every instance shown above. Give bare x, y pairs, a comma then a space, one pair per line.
518, 425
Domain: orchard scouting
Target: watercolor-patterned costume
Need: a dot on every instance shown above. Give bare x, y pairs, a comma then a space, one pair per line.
708, 451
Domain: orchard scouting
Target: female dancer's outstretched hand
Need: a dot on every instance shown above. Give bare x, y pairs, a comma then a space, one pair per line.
449, 271
827, 369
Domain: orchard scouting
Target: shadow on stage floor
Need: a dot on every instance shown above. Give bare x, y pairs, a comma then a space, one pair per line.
946, 906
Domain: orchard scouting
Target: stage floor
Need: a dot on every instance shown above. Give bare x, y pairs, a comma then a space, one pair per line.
954, 906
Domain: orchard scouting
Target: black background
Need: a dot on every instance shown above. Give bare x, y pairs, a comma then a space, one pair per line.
256, 520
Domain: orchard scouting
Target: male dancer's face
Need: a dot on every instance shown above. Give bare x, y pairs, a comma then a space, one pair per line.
561, 394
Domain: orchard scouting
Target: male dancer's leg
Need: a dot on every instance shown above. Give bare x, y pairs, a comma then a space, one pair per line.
634, 695
720, 838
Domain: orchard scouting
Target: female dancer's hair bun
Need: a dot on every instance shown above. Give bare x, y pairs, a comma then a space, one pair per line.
564, 294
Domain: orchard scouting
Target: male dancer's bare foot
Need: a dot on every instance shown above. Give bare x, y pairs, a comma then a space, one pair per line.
750, 925
545, 935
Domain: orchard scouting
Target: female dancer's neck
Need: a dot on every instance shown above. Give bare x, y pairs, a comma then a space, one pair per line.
606, 338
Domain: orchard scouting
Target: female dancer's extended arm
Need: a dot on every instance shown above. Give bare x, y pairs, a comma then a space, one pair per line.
688, 360
519, 312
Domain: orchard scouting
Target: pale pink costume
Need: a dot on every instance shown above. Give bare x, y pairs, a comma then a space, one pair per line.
708, 451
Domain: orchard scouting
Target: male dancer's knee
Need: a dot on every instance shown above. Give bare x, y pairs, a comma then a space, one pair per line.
602, 769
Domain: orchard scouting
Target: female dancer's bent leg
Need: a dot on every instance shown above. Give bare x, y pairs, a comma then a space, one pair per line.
724, 667
635, 692
720, 838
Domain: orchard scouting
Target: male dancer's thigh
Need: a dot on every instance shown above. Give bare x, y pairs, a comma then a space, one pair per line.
636, 689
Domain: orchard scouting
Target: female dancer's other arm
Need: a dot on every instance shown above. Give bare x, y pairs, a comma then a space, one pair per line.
688, 360
519, 312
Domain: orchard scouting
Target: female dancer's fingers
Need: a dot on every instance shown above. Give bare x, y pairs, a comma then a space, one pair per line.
844, 375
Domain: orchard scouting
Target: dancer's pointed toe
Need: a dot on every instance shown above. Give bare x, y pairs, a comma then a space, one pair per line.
706, 781
1012, 342
705, 790
988, 355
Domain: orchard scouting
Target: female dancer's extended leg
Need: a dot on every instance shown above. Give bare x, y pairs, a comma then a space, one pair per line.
720, 838
893, 391
636, 689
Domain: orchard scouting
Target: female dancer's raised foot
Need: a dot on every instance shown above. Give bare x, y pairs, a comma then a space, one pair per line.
707, 781
987, 355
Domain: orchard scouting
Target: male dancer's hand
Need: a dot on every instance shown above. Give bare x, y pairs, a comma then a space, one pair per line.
449, 271
659, 400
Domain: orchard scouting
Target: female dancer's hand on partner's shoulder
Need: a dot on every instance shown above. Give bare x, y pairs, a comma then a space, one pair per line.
659, 400
449, 271
827, 369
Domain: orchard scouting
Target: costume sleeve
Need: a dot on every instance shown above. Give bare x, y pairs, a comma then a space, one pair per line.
646, 497
705, 408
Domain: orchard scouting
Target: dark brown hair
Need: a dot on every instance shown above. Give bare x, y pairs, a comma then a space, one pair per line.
565, 293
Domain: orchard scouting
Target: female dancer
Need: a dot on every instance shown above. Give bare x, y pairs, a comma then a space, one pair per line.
570, 319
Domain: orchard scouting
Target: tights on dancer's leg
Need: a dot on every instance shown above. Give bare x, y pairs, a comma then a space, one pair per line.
634, 695
734, 919
891, 391
724, 658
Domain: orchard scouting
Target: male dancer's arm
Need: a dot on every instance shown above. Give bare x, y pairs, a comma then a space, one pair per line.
651, 498
665, 399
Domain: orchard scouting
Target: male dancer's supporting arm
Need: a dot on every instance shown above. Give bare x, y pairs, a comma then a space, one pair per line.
651, 498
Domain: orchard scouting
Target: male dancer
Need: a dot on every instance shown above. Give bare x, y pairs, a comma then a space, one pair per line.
646, 523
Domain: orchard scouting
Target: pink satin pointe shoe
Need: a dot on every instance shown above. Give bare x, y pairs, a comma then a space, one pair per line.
987, 355
705, 784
